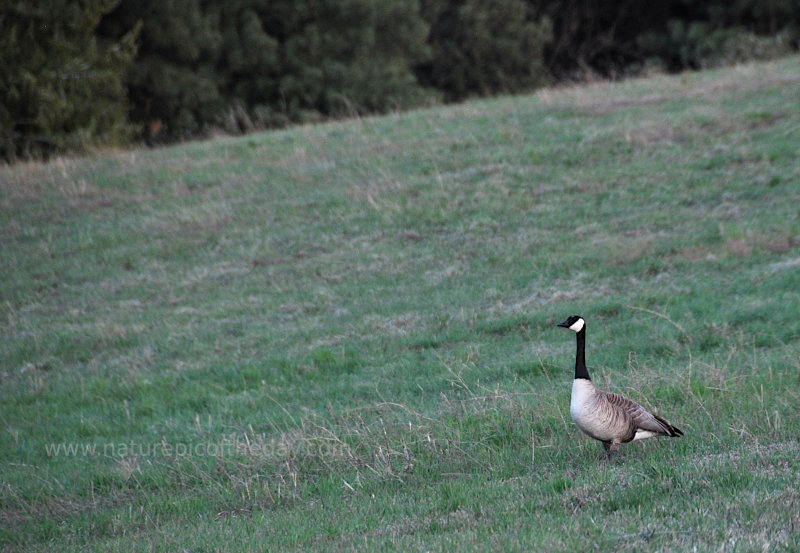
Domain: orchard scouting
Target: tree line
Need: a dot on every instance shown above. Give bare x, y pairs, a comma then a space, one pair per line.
77, 73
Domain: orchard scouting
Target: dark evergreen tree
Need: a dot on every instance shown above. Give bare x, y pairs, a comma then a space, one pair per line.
255, 63
617, 38
248, 69
245, 64
61, 88
484, 48
349, 56
173, 84
700, 34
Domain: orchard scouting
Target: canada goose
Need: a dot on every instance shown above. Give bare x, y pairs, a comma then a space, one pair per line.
609, 418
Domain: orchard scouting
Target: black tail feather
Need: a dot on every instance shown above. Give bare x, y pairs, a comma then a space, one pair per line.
672, 431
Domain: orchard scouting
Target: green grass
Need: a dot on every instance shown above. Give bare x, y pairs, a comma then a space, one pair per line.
342, 336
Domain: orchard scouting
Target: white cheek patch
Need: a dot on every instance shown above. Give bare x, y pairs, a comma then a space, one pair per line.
577, 326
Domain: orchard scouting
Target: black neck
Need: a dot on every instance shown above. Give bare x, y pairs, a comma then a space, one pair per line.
580, 357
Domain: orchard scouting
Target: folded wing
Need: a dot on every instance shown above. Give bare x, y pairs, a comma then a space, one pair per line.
643, 424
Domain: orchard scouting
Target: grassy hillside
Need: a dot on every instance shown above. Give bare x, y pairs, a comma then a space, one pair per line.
342, 337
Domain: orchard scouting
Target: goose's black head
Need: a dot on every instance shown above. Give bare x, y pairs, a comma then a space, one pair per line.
574, 323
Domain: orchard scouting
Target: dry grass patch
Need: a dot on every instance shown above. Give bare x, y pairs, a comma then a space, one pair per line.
382, 194
739, 246
628, 247
604, 98
397, 325
755, 241
652, 134
25, 181
196, 219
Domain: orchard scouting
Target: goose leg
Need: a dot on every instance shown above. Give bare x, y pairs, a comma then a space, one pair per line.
611, 448
607, 448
